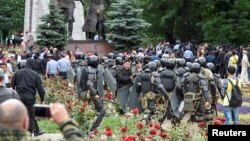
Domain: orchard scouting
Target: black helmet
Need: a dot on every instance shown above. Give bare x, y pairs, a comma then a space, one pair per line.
118, 61
170, 64
189, 65
181, 62
111, 55
196, 67
210, 66
147, 59
202, 61
158, 63
80, 56
105, 59
164, 62
152, 66
93, 61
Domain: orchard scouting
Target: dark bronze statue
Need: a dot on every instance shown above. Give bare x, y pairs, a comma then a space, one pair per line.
95, 19
67, 7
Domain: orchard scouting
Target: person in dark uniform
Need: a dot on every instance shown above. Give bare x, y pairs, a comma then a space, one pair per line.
27, 82
124, 75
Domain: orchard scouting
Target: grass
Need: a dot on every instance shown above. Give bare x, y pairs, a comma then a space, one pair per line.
48, 126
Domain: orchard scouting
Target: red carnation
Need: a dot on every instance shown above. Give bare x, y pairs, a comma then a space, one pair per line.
152, 131
108, 96
151, 124
135, 111
201, 124
163, 135
81, 110
108, 133
149, 137
157, 126
95, 131
140, 125
138, 134
68, 101
129, 138
108, 129
217, 122
205, 133
124, 129
222, 119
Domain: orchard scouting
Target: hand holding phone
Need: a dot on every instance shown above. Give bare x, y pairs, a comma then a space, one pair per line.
41, 110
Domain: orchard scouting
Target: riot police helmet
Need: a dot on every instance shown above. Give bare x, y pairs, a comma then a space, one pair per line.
80, 56
147, 59
93, 61
210, 66
111, 55
202, 61
158, 63
164, 56
181, 62
196, 68
189, 66
170, 64
105, 59
164, 62
118, 60
152, 66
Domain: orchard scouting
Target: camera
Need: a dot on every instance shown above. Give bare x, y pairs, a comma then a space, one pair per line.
41, 110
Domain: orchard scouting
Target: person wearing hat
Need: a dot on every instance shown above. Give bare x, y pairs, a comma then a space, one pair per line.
6, 93
244, 64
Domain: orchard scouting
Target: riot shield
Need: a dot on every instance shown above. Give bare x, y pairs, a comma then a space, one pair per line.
71, 74
100, 81
110, 80
177, 104
123, 94
134, 96
78, 79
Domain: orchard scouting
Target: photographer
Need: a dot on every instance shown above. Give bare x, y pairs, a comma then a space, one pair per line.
14, 122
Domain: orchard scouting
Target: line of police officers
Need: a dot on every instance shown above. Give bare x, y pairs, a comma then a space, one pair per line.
181, 87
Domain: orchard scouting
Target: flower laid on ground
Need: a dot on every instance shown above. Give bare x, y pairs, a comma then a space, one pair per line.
202, 124
123, 129
135, 111
152, 131
217, 122
108, 96
108, 133
140, 125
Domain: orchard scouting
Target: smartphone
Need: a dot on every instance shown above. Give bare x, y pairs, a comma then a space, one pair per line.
41, 110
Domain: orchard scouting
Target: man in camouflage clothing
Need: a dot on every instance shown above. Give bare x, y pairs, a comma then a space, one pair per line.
14, 122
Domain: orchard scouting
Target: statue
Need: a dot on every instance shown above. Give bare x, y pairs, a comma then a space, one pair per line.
95, 19
67, 7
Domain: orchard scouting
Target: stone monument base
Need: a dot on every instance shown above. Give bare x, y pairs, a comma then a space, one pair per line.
90, 46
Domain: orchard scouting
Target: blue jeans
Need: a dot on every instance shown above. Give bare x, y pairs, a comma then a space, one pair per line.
231, 115
248, 70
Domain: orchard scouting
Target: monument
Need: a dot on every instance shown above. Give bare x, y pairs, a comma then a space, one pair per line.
35, 9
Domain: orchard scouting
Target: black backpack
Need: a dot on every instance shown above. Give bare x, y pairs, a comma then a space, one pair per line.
236, 95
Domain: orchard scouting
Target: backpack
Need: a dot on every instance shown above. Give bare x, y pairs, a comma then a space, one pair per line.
236, 95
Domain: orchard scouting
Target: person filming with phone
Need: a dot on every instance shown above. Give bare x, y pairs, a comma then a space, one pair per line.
14, 122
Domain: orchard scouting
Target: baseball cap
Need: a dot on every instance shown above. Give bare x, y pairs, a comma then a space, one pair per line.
1, 73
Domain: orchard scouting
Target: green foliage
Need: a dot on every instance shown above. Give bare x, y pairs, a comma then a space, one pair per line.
124, 25
174, 18
11, 16
52, 32
227, 22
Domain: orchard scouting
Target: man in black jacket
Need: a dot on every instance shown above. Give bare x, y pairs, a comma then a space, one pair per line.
124, 75
26, 82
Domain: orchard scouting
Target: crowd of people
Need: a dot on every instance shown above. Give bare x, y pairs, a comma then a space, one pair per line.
173, 67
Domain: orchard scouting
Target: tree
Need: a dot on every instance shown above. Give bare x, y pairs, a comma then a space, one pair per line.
174, 19
227, 22
11, 16
52, 31
124, 25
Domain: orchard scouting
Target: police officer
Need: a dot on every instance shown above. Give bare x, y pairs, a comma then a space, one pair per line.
180, 68
168, 78
197, 98
88, 83
149, 86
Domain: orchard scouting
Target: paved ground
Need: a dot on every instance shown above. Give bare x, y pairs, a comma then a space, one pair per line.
53, 137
